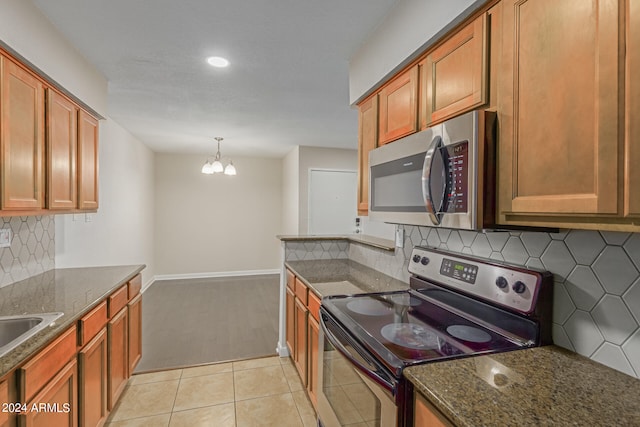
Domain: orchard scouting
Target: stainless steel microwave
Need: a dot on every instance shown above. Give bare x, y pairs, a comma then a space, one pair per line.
443, 176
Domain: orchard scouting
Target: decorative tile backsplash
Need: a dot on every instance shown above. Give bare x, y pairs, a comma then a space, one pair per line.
317, 249
32, 249
597, 281
596, 288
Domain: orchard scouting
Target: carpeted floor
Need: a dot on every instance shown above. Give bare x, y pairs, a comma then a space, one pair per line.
197, 321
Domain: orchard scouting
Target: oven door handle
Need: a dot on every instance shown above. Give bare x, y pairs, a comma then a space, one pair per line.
360, 358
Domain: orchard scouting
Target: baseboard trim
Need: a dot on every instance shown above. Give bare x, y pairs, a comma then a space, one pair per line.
161, 277
283, 351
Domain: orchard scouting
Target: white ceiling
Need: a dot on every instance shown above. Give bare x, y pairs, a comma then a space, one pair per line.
287, 84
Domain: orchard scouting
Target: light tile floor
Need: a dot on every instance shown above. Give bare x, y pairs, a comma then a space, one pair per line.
257, 392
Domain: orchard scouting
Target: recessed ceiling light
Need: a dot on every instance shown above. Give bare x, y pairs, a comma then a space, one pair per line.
217, 61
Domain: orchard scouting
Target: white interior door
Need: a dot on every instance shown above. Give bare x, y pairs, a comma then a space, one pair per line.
332, 201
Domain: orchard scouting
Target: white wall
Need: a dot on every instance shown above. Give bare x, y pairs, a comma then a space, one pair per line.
122, 231
321, 158
290, 192
212, 225
30, 34
409, 26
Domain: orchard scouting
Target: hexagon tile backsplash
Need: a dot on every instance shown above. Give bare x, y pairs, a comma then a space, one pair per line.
596, 309
32, 249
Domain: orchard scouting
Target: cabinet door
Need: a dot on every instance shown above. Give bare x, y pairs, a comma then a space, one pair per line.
300, 347
632, 85
21, 138
559, 142
455, 74
427, 416
118, 364
312, 353
135, 332
399, 106
4, 398
367, 141
291, 330
60, 393
87, 161
61, 145
92, 375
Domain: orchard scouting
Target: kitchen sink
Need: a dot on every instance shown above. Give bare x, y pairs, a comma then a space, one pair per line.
14, 330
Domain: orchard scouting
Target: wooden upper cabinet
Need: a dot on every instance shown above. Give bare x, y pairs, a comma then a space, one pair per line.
454, 75
399, 107
61, 143
632, 101
21, 138
87, 161
367, 141
559, 110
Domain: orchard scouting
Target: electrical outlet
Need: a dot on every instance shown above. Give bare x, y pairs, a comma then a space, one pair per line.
399, 236
88, 217
5, 238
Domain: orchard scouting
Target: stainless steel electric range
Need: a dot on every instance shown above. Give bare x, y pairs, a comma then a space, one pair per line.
458, 306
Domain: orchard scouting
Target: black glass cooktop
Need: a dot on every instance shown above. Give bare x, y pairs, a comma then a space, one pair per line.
404, 328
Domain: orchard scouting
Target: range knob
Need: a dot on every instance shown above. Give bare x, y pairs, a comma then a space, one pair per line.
501, 282
519, 287
416, 258
424, 260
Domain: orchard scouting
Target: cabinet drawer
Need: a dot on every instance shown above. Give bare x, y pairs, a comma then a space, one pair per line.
135, 285
4, 398
91, 323
118, 300
39, 370
301, 291
314, 306
291, 280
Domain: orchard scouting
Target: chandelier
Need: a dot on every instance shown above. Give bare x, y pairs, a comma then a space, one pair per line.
215, 166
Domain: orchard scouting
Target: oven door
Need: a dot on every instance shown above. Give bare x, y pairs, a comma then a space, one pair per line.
353, 387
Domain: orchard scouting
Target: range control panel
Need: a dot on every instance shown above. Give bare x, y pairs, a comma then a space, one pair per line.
459, 270
510, 286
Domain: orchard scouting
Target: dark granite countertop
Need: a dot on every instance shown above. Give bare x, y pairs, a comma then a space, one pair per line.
544, 386
343, 276
73, 291
376, 242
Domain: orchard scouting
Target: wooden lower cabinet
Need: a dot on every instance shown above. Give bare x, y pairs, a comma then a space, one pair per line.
92, 373
4, 398
300, 348
312, 355
426, 415
290, 314
58, 400
135, 332
302, 329
118, 364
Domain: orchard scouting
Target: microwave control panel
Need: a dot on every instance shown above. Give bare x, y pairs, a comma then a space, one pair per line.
456, 157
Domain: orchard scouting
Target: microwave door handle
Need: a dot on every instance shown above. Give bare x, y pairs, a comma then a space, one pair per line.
426, 179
